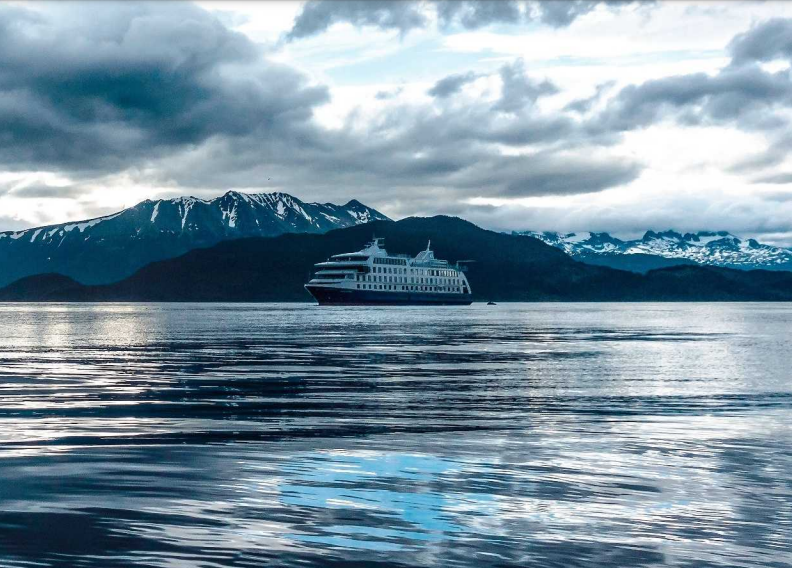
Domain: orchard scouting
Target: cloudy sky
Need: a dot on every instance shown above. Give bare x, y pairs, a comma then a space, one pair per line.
582, 115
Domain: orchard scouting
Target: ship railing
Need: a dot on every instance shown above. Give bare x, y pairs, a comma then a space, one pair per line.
458, 266
357, 257
340, 263
334, 272
432, 264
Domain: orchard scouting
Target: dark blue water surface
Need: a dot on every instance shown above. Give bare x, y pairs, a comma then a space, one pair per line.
218, 435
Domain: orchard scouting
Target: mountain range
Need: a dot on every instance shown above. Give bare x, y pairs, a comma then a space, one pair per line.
255, 247
504, 267
108, 249
669, 248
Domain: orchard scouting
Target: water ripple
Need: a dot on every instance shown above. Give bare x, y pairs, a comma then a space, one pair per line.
170, 435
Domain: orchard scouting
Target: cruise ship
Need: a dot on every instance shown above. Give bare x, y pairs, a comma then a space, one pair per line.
372, 276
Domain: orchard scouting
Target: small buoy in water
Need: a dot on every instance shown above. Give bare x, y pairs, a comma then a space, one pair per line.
491, 304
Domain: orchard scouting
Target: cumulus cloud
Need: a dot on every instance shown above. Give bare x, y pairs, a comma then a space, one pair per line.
388, 94
767, 41
559, 175
585, 105
451, 84
12, 224
43, 191
731, 95
742, 94
779, 146
780, 179
477, 13
318, 15
519, 89
766, 218
559, 14
413, 151
170, 97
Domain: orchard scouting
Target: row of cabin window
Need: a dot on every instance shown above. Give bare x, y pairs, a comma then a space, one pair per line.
394, 287
405, 280
390, 261
423, 271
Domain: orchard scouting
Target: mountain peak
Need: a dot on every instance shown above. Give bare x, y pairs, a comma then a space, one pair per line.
157, 229
709, 236
668, 235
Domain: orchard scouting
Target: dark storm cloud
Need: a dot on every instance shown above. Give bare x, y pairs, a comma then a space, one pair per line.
420, 129
519, 90
572, 176
412, 149
317, 16
96, 86
414, 152
548, 173
167, 95
447, 86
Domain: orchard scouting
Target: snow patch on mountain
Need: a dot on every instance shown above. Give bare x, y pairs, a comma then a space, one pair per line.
64, 228
715, 248
331, 218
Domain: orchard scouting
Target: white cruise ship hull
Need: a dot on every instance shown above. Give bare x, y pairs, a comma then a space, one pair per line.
330, 296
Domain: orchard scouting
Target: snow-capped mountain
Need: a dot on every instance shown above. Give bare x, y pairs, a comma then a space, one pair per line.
666, 248
109, 248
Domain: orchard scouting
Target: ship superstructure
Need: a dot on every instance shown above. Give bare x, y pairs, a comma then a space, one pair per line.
373, 276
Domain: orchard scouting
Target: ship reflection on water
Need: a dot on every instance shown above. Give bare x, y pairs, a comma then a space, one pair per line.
514, 435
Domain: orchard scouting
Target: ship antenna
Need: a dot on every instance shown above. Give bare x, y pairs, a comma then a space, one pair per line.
428, 245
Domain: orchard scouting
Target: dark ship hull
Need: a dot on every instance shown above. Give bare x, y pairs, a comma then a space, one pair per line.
339, 296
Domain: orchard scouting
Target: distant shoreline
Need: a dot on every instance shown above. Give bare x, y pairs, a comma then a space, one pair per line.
378, 306
504, 268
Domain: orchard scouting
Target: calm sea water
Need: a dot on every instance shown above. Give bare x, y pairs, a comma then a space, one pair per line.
513, 435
